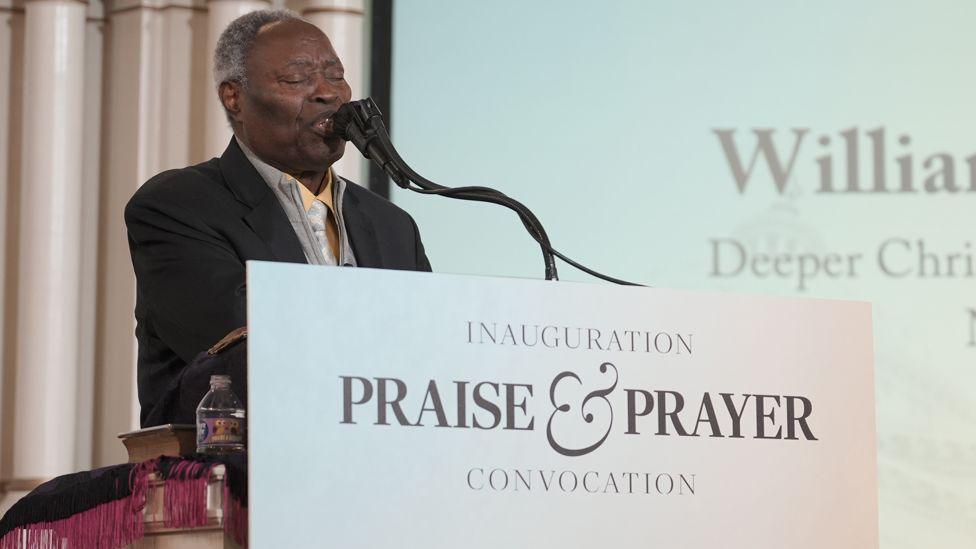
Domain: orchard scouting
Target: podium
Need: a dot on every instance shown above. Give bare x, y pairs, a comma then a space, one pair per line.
453, 411
402, 409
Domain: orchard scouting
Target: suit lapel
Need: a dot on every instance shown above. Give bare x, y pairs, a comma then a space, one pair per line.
271, 224
267, 219
362, 235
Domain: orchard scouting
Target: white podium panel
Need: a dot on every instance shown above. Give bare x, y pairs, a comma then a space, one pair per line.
426, 410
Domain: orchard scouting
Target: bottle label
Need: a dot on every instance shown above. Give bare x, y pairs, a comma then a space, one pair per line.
220, 431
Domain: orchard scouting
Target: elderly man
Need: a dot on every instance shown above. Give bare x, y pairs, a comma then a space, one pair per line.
271, 196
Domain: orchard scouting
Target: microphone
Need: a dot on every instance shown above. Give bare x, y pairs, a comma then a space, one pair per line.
357, 122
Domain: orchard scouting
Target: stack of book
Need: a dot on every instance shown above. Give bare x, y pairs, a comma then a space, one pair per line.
163, 440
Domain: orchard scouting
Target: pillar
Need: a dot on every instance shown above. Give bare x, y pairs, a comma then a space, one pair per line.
156, 79
50, 225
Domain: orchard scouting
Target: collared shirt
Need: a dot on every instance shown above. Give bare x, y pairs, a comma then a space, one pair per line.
291, 194
325, 199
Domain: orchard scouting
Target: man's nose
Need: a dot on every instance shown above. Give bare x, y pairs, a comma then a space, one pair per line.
326, 90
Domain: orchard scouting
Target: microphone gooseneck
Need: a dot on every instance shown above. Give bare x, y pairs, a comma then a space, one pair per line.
361, 123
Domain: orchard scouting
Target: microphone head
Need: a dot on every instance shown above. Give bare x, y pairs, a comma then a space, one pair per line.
342, 119
359, 113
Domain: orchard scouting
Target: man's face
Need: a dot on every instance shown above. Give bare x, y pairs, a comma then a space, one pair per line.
295, 85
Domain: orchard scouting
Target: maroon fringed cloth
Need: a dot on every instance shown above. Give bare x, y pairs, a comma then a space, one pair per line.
103, 508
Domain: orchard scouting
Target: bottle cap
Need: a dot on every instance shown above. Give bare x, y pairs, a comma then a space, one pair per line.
220, 380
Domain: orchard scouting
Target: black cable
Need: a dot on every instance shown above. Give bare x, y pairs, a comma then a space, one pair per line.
478, 193
547, 247
483, 194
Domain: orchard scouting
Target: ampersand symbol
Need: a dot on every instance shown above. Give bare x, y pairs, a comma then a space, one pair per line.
587, 416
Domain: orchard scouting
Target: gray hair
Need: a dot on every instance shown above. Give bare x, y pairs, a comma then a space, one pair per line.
236, 41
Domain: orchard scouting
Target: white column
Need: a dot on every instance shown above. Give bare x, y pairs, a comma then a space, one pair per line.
343, 22
156, 76
50, 242
221, 13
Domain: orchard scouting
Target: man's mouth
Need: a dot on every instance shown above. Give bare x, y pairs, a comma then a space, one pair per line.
322, 125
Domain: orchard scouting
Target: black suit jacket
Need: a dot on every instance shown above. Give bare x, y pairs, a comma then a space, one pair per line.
190, 232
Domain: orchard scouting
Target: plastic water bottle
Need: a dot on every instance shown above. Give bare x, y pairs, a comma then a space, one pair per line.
221, 424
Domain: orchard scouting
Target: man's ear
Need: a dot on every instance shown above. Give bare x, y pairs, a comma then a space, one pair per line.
230, 97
